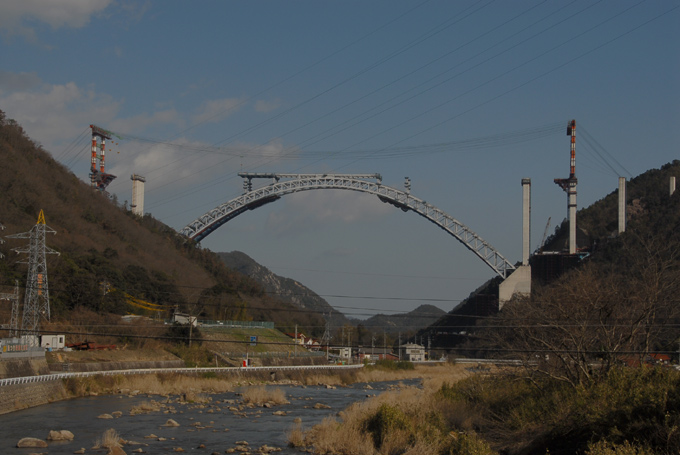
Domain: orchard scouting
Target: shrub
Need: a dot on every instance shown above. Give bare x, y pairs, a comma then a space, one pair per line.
605, 448
260, 395
393, 365
386, 420
466, 444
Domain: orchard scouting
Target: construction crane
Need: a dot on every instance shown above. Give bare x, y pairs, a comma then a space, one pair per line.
545, 236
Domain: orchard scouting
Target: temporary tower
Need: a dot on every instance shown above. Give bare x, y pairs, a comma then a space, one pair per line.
99, 179
569, 186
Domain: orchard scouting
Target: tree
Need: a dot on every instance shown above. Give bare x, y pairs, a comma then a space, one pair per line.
598, 315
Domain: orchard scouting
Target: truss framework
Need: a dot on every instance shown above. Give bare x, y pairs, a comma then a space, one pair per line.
37, 297
252, 199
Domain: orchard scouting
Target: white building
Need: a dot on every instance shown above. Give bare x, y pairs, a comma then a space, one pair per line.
412, 352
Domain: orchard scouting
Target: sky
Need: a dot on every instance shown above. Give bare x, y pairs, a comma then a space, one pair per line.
465, 98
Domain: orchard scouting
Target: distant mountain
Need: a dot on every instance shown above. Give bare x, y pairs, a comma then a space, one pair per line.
282, 288
423, 316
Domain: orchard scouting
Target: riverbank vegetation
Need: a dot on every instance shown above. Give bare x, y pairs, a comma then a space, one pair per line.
165, 384
629, 411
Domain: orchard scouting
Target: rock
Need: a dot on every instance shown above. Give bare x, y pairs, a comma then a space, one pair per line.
31, 442
267, 449
321, 406
117, 414
82, 450
178, 449
151, 436
105, 416
116, 450
138, 451
61, 435
171, 423
241, 443
279, 413
201, 446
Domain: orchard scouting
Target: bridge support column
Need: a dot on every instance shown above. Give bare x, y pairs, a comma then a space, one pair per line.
517, 283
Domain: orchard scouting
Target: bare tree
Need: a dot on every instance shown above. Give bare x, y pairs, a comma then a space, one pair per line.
598, 315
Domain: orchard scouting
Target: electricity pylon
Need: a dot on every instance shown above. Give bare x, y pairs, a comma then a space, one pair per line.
37, 297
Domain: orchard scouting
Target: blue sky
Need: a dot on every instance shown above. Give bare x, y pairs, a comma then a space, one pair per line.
466, 98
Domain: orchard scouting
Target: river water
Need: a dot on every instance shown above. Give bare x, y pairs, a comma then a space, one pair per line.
214, 425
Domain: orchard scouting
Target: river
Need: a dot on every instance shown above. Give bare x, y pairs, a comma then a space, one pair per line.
213, 425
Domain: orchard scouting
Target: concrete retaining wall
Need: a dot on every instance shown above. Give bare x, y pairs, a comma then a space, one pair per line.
22, 396
15, 368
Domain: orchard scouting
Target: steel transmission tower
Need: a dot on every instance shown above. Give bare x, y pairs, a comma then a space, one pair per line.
37, 297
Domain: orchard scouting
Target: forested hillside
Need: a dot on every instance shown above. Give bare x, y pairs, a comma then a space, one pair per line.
109, 255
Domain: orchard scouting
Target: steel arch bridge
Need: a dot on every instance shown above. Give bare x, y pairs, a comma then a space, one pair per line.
283, 184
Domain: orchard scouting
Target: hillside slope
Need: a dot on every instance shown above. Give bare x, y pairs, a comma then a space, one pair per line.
102, 245
283, 288
653, 217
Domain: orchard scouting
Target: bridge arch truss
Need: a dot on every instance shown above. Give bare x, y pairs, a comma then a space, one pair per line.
283, 184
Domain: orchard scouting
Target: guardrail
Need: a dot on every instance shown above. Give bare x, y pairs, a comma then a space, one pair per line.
57, 376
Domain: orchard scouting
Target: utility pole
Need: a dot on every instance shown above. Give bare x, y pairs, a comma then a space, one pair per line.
349, 344
326, 339
372, 346
37, 297
384, 344
399, 346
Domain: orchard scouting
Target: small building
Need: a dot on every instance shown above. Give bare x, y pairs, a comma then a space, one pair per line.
184, 319
52, 342
412, 352
299, 338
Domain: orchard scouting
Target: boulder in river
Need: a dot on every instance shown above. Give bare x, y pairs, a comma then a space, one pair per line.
31, 442
171, 423
60, 435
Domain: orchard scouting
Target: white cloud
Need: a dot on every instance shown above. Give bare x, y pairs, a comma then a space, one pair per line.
267, 106
18, 81
15, 16
51, 114
54, 115
215, 110
310, 210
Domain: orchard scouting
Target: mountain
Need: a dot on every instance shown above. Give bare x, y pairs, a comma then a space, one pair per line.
653, 219
139, 261
422, 316
281, 287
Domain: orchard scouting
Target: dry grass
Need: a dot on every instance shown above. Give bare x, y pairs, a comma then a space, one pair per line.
163, 384
330, 436
259, 395
295, 436
348, 435
109, 439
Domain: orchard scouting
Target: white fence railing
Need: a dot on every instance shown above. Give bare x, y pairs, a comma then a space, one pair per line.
238, 370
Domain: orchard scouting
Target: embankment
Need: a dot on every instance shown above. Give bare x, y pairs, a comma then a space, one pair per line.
20, 396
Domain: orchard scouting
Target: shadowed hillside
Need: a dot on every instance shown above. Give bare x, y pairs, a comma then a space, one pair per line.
104, 246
